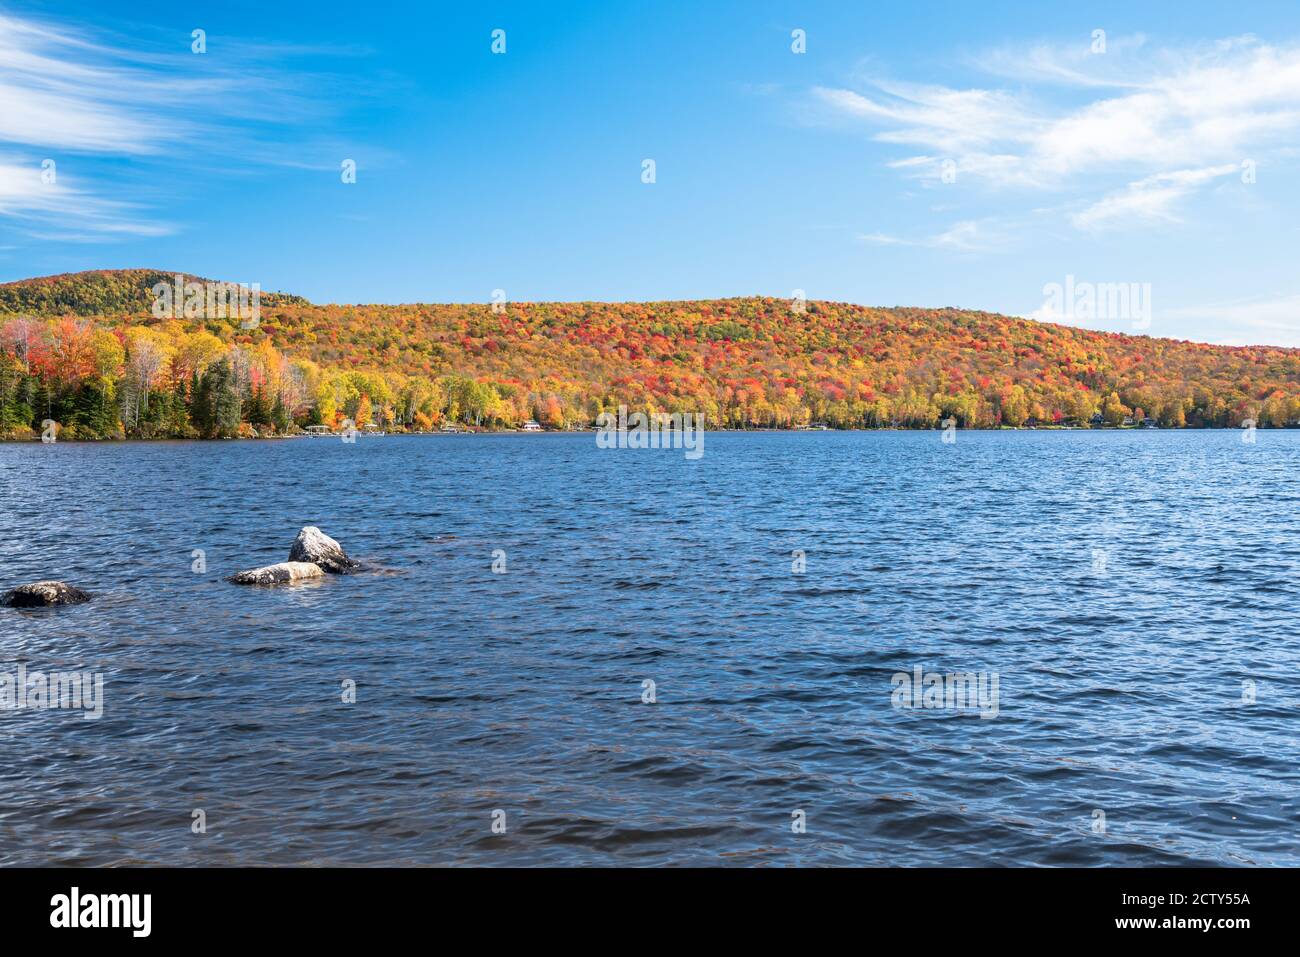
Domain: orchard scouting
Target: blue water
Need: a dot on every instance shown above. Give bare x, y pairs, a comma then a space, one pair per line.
1122, 586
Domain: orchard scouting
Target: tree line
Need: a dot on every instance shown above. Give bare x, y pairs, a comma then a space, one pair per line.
744, 363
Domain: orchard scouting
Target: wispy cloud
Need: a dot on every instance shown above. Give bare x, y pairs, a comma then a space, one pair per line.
27, 197
963, 236
1126, 59
1151, 198
65, 92
936, 117
1164, 123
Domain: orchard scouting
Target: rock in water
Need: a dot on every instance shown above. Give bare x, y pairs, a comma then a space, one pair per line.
313, 545
43, 594
278, 574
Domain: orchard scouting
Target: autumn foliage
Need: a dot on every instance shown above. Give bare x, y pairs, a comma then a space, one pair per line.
102, 365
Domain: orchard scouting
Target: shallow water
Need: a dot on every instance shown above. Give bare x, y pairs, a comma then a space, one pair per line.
1122, 586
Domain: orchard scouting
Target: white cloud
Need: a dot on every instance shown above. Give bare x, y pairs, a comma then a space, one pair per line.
1152, 198
62, 92
884, 239
1047, 312
935, 116
58, 210
1159, 119
1071, 65
1274, 321
1249, 321
964, 236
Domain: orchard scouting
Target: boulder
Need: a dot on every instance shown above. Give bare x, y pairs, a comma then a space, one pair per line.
313, 545
44, 594
278, 574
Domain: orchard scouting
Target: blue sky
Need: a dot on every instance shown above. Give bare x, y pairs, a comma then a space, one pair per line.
916, 154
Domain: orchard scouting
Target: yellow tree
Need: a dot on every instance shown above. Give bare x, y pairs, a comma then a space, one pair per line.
1114, 411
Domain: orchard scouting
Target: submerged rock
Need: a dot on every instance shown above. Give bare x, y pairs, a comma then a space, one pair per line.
278, 574
313, 545
44, 594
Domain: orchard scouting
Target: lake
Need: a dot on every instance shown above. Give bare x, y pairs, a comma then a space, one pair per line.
1128, 599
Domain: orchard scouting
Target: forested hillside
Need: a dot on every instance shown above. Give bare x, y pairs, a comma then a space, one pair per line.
86, 351
97, 293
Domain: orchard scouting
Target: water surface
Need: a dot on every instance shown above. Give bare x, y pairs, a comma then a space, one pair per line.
1123, 586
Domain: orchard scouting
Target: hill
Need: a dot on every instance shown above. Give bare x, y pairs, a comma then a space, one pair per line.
73, 344
98, 292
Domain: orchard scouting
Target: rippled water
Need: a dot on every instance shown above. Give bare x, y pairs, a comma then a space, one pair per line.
1122, 586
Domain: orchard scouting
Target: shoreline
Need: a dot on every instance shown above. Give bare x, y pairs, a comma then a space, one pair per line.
35, 440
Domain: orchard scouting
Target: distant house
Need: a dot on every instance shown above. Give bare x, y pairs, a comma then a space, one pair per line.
449, 427
531, 426
1149, 423
1098, 419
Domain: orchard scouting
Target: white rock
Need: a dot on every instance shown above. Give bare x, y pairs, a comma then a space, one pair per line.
277, 574
313, 545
